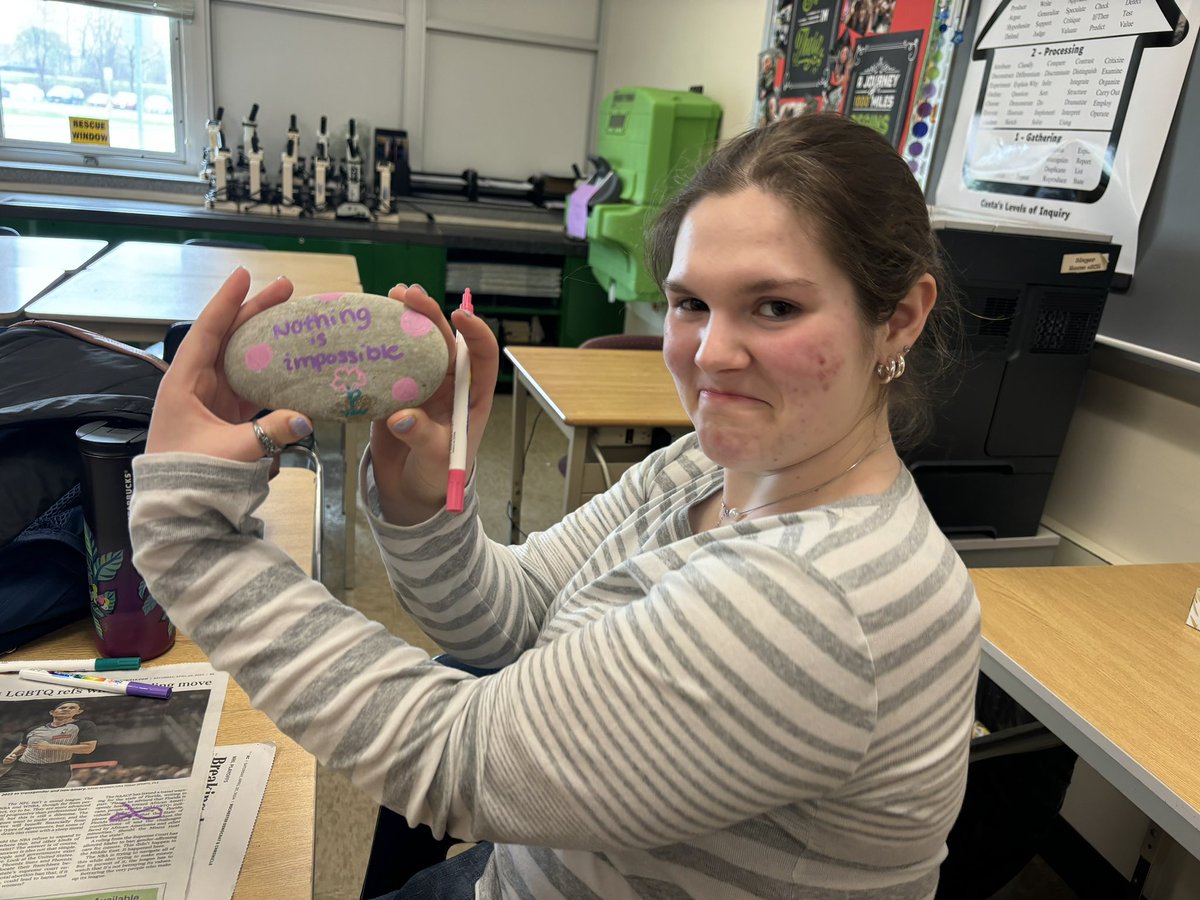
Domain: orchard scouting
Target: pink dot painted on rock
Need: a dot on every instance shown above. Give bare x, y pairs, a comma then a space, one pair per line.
415, 324
405, 390
258, 357
332, 295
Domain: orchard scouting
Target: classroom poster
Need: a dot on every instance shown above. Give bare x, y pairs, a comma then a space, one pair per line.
882, 62
881, 80
1064, 113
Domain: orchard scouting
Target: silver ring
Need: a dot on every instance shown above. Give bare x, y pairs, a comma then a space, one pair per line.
270, 448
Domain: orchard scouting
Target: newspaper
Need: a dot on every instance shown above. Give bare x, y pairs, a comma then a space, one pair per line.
116, 815
233, 792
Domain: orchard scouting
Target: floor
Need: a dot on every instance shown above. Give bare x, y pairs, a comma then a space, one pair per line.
345, 818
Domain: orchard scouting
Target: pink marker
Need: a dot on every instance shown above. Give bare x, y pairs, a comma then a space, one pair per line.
456, 482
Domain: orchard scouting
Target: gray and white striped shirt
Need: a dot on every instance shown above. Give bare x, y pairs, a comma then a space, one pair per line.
777, 708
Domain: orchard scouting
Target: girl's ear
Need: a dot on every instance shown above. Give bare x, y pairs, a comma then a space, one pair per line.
908, 320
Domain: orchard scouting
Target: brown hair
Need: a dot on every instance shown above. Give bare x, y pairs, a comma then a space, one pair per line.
866, 210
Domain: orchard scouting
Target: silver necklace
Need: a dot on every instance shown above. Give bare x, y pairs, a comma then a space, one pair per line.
737, 515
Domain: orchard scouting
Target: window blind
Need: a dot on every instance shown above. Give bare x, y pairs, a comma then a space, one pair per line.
180, 9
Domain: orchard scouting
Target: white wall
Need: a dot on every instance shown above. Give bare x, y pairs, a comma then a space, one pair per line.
1127, 486
674, 45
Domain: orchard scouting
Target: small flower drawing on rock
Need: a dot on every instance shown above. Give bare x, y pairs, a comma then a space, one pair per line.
348, 378
258, 357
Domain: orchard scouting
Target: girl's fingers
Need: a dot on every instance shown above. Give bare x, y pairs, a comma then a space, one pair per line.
484, 350
204, 339
282, 426
223, 314
273, 294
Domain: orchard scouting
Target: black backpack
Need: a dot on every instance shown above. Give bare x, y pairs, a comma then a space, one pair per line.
53, 379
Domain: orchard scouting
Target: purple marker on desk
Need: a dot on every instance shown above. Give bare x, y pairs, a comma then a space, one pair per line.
98, 683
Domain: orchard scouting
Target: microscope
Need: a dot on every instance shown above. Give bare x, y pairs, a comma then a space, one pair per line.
250, 161
383, 185
291, 166
353, 206
321, 169
217, 159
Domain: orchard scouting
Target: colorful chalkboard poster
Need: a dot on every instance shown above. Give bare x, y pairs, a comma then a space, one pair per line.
881, 81
813, 30
1065, 111
810, 56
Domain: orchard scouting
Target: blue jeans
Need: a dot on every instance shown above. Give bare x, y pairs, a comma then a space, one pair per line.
453, 879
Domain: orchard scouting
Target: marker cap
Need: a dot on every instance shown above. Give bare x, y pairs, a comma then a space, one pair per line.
118, 662
456, 487
155, 691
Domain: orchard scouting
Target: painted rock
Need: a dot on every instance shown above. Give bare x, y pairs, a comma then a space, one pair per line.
337, 356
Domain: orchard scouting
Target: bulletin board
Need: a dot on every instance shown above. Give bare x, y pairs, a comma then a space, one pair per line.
1065, 112
884, 63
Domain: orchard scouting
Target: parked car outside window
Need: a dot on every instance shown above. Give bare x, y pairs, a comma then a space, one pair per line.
64, 93
157, 104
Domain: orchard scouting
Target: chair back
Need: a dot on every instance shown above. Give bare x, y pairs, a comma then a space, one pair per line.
623, 342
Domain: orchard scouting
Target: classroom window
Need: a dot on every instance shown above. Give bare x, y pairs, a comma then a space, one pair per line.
104, 85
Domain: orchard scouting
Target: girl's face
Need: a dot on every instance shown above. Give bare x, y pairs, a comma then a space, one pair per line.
763, 335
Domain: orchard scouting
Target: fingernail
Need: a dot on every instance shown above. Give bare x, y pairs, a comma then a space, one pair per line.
417, 286
404, 424
301, 427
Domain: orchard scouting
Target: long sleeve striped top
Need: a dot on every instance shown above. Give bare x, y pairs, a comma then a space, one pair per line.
777, 708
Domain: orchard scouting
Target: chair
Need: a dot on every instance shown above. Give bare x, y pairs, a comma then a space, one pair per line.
176, 332
232, 245
623, 342
1017, 778
615, 342
6, 231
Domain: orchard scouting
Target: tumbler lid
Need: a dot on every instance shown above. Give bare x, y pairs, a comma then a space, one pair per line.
111, 438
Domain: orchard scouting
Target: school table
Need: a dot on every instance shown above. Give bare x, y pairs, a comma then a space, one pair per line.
29, 266
583, 392
279, 861
1101, 655
139, 288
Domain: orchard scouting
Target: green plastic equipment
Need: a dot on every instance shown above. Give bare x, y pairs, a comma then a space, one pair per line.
652, 140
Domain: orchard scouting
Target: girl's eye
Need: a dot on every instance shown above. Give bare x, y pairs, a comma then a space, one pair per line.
777, 309
690, 304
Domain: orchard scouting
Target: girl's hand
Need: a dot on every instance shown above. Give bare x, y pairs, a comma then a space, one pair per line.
196, 411
410, 451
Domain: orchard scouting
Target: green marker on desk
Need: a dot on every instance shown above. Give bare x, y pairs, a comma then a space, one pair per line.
107, 664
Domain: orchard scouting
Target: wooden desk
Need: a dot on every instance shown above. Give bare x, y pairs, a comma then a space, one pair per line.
584, 391
279, 861
137, 289
1102, 657
31, 265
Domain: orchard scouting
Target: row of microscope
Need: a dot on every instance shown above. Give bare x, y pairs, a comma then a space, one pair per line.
320, 184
